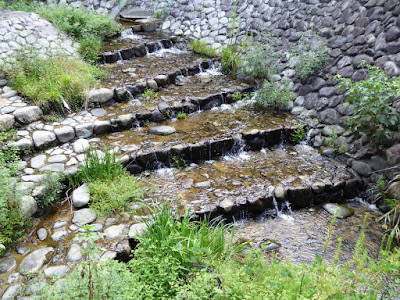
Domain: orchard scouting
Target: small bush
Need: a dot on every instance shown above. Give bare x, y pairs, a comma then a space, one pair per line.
149, 94
299, 133
53, 187
273, 95
373, 101
311, 54
114, 195
52, 83
89, 48
202, 48
230, 60
181, 116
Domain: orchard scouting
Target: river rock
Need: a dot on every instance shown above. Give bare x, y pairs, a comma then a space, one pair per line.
59, 235
136, 229
12, 278
64, 134
114, 231
280, 193
28, 206
341, 211
361, 167
57, 159
28, 114
81, 196
393, 154
35, 261
203, 185
84, 130
74, 253
11, 292
7, 121
84, 216
43, 138
108, 255
41, 234
56, 271
162, 130
81, 146
227, 205
38, 161
22, 250
23, 144
101, 96
7, 265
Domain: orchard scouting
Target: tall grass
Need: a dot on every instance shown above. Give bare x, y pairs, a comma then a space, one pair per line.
202, 48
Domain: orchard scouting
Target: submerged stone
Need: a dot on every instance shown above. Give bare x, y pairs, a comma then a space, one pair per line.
341, 211
162, 130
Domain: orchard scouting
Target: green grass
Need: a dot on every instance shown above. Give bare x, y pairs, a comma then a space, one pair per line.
273, 95
181, 116
202, 48
49, 82
149, 94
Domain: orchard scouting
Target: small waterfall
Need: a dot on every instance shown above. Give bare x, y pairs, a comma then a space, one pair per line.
159, 46
120, 59
200, 68
147, 50
126, 33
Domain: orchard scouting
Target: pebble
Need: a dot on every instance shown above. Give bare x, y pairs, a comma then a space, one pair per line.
41, 234
59, 224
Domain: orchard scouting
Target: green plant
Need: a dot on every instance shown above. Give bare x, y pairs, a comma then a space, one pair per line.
299, 133
89, 48
202, 48
181, 116
51, 118
9, 154
55, 84
149, 94
177, 161
237, 96
373, 98
274, 95
260, 61
53, 186
114, 195
331, 139
310, 54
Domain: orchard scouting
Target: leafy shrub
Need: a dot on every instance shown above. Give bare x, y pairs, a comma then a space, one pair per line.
202, 48
260, 61
110, 196
181, 116
299, 133
373, 98
149, 94
311, 54
89, 48
274, 95
53, 186
51, 83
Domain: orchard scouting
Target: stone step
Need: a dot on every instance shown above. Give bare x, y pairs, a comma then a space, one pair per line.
251, 182
134, 45
135, 74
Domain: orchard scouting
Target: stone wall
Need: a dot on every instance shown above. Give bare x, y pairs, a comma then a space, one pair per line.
356, 30
22, 32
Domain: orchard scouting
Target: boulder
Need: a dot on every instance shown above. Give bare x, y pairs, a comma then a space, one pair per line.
136, 229
35, 261
7, 265
43, 138
84, 216
393, 154
64, 134
28, 206
114, 231
162, 130
81, 145
7, 121
81, 196
28, 114
84, 130
101, 96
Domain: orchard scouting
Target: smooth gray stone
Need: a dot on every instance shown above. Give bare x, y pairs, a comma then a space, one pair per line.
341, 211
34, 261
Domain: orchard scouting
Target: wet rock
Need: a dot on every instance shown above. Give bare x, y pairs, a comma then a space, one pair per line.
7, 265
161, 80
280, 193
81, 146
12, 278
7, 121
38, 161
114, 231
341, 211
11, 292
122, 94
84, 216
152, 84
228, 206
22, 250
28, 206
100, 96
57, 159
203, 185
35, 261
28, 114
64, 134
23, 144
318, 187
59, 235
101, 127
125, 121
43, 138
361, 167
41, 234
74, 253
57, 271
96, 227
84, 130
81, 196
136, 229
162, 130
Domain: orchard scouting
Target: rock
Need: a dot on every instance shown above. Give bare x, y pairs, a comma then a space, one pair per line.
28, 206
7, 121
28, 114
53, 168
152, 84
101, 127
136, 229
361, 168
41, 234
74, 253
65, 134
122, 94
393, 155
227, 205
22, 250
35, 261
11, 292
59, 235
81, 146
7, 265
99, 112
96, 227
57, 271
161, 80
84, 130
57, 159
43, 138
81, 196
392, 34
114, 231
280, 193
391, 68
108, 255
329, 116
100, 96
84, 216
12, 278
125, 121
341, 211
162, 130
38, 161
330, 130
203, 185
318, 187
23, 144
